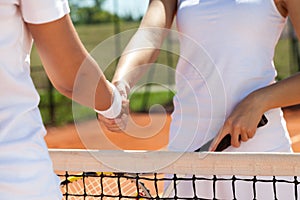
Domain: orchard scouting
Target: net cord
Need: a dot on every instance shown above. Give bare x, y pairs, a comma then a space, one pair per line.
204, 163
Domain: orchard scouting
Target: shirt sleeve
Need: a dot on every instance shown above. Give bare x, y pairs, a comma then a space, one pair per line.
43, 11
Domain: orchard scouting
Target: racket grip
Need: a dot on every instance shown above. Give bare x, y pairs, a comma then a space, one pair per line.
263, 121
226, 141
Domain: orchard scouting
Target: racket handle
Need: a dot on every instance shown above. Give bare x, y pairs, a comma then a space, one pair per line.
226, 141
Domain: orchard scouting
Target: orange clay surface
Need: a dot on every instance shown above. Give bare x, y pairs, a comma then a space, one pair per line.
143, 133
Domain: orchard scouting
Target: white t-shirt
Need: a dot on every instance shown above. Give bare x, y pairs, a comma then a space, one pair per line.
25, 167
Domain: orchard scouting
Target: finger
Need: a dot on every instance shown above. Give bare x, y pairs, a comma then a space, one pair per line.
125, 105
235, 136
121, 125
243, 134
244, 137
111, 126
251, 133
222, 133
124, 121
106, 121
114, 129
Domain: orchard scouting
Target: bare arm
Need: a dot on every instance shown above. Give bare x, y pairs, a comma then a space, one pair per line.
243, 120
141, 51
68, 64
285, 92
144, 46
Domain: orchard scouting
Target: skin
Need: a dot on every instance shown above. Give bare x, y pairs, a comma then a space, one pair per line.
160, 14
245, 117
243, 120
66, 60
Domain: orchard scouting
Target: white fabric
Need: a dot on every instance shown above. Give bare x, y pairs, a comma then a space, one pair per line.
115, 109
26, 170
227, 50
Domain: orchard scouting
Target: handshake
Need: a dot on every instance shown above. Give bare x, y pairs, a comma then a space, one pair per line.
115, 118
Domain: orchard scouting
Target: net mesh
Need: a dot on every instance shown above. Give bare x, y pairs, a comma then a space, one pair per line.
103, 185
269, 176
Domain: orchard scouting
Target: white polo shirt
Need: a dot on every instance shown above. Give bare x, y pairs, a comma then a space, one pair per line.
25, 167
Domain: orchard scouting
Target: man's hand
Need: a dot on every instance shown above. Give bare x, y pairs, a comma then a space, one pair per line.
119, 123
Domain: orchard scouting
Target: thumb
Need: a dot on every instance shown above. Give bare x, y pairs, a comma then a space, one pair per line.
221, 134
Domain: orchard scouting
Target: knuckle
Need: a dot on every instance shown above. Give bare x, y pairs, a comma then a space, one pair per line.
250, 136
235, 144
229, 122
237, 125
251, 133
248, 130
243, 129
244, 138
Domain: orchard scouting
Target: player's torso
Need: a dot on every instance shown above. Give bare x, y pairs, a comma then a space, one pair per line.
245, 22
18, 95
226, 52
239, 36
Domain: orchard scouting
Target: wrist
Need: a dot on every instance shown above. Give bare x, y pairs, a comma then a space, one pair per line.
115, 109
123, 87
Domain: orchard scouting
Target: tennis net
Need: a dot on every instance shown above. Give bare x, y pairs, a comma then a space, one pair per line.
99, 174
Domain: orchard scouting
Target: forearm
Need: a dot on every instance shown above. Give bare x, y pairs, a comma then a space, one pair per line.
281, 94
68, 65
143, 48
137, 58
90, 87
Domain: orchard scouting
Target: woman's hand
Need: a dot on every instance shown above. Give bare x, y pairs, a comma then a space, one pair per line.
242, 122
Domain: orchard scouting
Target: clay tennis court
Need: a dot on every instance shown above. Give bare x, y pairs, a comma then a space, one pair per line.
148, 135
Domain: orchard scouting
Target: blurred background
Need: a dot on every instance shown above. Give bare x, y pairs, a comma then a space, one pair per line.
98, 20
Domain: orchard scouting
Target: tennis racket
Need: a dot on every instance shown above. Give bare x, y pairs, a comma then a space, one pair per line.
103, 184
